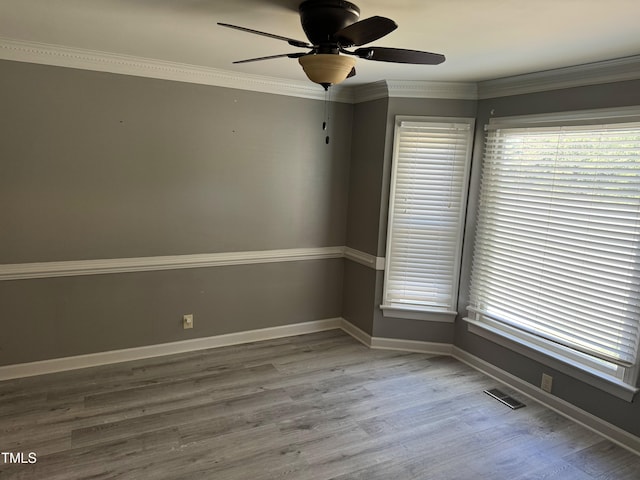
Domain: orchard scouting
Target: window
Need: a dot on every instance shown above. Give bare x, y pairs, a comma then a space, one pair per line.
557, 252
426, 215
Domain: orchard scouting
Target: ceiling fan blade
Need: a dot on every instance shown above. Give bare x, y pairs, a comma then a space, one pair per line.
399, 55
290, 55
365, 31
290, 41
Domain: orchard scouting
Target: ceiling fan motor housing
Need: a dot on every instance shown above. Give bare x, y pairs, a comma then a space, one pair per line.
321, 19
332, 26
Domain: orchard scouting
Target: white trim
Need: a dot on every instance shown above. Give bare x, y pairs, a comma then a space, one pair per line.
371, 91
61, 56
19, 271
430, 89
626, 114
371, 261
381, 343
566, 409
139, 353
415, 89
616, 70
430, 348
416, 313
547, 357
608, 71
150, 351
360, 335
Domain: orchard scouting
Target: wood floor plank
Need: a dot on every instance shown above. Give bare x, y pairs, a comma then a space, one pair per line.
312, 407
96, 434
604, 458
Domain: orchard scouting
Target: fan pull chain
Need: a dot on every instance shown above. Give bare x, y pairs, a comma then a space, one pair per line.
325, 123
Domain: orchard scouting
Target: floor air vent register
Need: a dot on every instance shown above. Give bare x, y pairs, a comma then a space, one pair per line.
504, 398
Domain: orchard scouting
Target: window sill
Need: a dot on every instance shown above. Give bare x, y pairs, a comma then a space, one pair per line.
414, 313
600, 380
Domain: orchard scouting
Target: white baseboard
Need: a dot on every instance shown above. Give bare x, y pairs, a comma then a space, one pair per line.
381, 343
56, 365
411, 346
356, 333
566, 409
138, 353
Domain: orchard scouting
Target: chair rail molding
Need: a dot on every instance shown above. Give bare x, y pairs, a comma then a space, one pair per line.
70, 268
20, 271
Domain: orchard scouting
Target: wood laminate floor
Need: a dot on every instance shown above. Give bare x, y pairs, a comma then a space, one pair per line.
311, 407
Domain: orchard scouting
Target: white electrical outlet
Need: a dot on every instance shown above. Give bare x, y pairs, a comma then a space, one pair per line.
547, 383
187, 321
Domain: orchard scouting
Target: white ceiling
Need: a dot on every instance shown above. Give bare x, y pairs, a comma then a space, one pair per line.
482, 39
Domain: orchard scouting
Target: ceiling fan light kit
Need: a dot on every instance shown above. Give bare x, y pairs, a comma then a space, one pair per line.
332, 26
327, 69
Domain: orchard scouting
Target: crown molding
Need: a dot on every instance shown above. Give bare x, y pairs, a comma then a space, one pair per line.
415, 89
61, 56
608, 71
429, 89
370, 92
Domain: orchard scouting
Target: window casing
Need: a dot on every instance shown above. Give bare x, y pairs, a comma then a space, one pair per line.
427, 207
557, 247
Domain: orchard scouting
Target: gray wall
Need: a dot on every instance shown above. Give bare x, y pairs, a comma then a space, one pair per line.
365, 193
56, 317
369, 138
618, 412
95, 165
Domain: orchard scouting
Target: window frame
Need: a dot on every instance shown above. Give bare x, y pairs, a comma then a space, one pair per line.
622, 383
426, 312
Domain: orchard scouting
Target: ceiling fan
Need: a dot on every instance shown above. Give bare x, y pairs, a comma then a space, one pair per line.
332, 26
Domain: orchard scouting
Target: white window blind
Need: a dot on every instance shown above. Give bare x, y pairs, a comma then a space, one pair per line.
426, 213
558, 237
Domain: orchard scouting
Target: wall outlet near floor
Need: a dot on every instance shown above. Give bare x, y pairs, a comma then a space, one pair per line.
547, 383
187, 321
